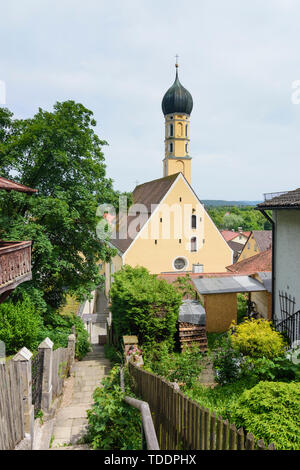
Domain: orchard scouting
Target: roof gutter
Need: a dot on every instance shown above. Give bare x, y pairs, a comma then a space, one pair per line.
273, 256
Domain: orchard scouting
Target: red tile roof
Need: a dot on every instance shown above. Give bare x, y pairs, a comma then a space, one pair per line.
257, 263
9, 185
171, 277
229, 235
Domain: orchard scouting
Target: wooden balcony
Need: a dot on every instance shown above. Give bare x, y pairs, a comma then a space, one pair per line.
15, 265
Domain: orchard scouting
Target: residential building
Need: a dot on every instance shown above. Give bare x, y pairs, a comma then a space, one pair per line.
285, 207
258, 241
15, 256
236, 237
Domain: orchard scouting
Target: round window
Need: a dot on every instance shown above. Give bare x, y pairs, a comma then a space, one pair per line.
179, 263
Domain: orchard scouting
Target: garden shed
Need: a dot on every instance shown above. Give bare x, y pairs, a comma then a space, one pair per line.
218, 296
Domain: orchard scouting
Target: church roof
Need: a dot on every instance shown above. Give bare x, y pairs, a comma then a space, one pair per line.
148, 194
177, 99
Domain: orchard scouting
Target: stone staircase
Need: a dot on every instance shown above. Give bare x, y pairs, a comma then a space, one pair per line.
71, 419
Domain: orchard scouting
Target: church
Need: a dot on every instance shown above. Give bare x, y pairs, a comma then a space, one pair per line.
167, 228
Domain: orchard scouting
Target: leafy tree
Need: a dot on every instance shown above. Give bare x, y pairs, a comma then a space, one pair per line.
59, 154
232, 221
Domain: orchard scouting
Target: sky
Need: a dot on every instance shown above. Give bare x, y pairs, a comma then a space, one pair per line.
239, 60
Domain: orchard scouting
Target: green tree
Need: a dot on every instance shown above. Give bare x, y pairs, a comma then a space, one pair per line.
59, 154
144, 305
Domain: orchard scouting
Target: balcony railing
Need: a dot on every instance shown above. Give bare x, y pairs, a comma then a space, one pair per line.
15, 264
269, 196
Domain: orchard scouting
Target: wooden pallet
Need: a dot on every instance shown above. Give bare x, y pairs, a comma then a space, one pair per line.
190, 334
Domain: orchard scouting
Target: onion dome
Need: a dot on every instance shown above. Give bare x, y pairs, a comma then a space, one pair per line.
177, 99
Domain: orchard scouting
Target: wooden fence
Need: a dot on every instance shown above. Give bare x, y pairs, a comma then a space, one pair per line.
11, 406
182, 424
60, 370
29, 384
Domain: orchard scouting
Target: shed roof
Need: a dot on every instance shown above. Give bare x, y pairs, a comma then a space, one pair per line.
192, 311
266, 278
226, 285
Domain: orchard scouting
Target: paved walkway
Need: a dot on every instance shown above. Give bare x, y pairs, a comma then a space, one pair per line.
71, 421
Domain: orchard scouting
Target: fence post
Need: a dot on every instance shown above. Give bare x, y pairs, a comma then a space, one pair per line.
71, 348
24, 357
47, 347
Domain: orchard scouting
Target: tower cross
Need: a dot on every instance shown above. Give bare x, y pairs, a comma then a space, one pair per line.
177, 57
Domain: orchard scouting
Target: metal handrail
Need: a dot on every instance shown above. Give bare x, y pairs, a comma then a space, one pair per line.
148, 430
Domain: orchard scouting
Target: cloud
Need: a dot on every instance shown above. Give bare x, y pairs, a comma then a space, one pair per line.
238, 59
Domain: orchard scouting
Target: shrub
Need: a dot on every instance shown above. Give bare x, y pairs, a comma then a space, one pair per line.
144, 305
20, 325
113, 424
257, 338
280, 368
271, 411
227, 362
58, 327
184, 367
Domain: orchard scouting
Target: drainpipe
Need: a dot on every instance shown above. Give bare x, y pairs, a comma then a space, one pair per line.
273, 257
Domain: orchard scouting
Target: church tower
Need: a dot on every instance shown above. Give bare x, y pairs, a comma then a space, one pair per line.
177, 105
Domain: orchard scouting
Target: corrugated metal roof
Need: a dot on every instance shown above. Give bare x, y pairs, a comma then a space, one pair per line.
192, 311
224, 285
266, 280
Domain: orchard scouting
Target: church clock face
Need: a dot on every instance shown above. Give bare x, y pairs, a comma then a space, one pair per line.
179, 263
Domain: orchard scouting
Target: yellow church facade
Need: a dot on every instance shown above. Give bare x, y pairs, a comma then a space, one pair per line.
167, 229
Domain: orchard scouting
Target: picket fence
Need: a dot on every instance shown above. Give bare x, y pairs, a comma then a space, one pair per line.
182, 424
28, 384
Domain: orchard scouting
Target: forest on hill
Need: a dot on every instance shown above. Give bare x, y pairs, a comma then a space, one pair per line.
233, 217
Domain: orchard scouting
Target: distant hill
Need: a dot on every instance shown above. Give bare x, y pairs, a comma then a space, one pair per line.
216, 203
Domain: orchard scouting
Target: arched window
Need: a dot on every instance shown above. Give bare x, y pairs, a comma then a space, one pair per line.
194, 244
186, 148
171, 147
180, 129
186, 130
171, 130
194, 221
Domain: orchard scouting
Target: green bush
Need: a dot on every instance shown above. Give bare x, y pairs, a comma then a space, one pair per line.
111, 353
280, 369
58, 327
20, 325
143, 305
257, 338
113, 424
271, 411
184, 367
